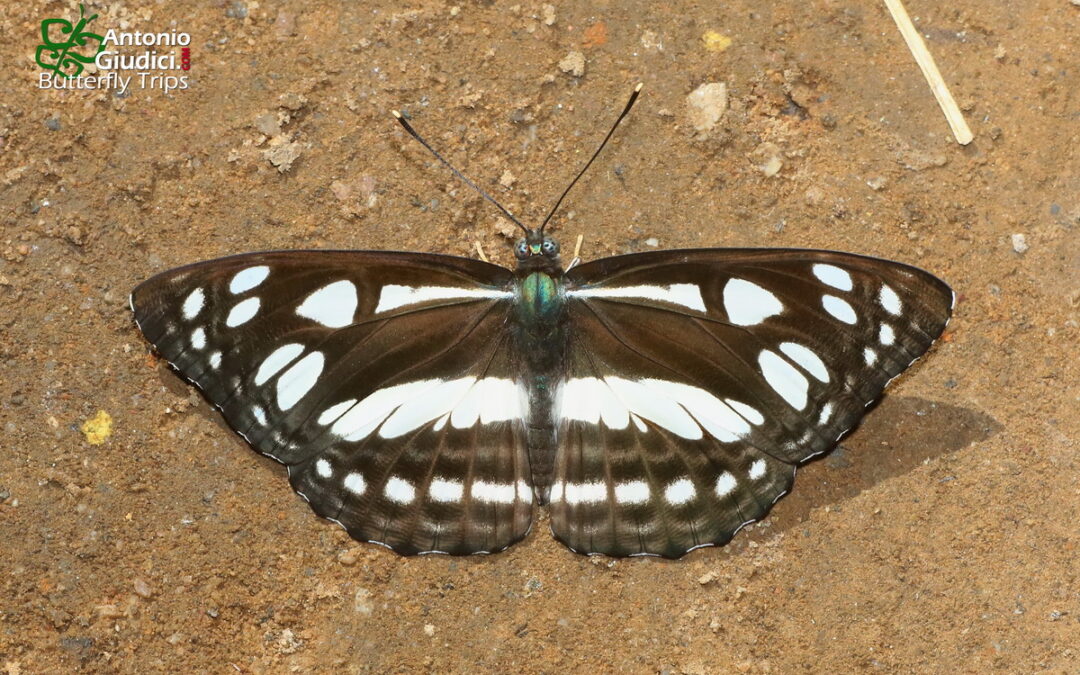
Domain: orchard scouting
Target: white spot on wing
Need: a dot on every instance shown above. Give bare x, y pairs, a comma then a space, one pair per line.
826, 413
833, 276
583, 493
355, 484
889, 300
446, 490
242, 312
193, 304
335, 411
751, 414
784, 379
198, 338
682, 409
365, 416
278, 359
838, 308
870, 355
748, 304
245, 280
632, 492
489, 399
400, 490
524, 491
725, 483
886, 335
807, 359
679, 492
259, 414
426, 407
322, 467
298, 380
686, 295
215, 360
711, 413
406, 407
495, 493
333, 305
392, 296
757, 469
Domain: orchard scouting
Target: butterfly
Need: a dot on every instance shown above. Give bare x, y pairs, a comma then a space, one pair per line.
654, 402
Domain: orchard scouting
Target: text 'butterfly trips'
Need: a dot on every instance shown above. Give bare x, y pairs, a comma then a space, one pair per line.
654, 402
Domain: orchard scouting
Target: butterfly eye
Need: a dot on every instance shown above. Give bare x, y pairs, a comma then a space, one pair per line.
521, 250
550, 247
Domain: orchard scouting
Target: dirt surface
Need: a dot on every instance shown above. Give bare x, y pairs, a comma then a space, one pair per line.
940, 537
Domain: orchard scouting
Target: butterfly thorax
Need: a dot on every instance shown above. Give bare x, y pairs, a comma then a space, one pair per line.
540, 336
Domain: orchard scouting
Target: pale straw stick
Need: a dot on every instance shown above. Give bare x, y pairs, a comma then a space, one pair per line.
930, 71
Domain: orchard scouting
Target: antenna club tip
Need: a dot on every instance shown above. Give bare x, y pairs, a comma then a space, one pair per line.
638, 87
396, 114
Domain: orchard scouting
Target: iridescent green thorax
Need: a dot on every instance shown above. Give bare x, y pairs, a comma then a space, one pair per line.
541, 300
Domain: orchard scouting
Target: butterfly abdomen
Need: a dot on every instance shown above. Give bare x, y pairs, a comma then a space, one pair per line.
540, 334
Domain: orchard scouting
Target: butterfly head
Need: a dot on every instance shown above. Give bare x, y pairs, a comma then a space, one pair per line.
537, 250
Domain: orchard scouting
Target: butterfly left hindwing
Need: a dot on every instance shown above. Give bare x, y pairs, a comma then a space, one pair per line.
698, 380
384, 381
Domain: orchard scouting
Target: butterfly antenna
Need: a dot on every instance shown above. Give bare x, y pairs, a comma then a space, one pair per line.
629, 104
448, 165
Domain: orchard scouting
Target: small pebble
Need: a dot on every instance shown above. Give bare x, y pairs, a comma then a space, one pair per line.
573, 64
349, 557
706, 105
652, 241
142, 589
236, 10
1019, 243
429, 630
53, 123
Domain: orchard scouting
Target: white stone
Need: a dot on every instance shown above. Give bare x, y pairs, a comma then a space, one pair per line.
706, 105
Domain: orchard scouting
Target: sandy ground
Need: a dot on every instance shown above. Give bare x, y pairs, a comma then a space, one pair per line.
940, 537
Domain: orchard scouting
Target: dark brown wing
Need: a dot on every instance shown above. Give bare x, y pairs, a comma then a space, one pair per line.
385, 382
698, 380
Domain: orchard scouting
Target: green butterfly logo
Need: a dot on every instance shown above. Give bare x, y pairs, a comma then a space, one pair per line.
66, 55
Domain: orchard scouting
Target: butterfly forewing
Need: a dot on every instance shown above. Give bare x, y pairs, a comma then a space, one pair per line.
698, 380
385, 382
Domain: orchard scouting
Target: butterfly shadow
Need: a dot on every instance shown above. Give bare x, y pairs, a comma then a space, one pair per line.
903, 433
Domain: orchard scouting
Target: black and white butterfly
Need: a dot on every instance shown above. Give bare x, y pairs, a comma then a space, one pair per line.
655, 402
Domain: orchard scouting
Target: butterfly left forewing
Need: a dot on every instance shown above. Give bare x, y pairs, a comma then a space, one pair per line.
720, 371
385, 382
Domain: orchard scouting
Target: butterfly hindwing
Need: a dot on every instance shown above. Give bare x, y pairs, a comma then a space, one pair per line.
698, 380
385, 382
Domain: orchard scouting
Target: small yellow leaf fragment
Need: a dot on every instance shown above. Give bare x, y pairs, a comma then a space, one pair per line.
715, 42
98, 428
